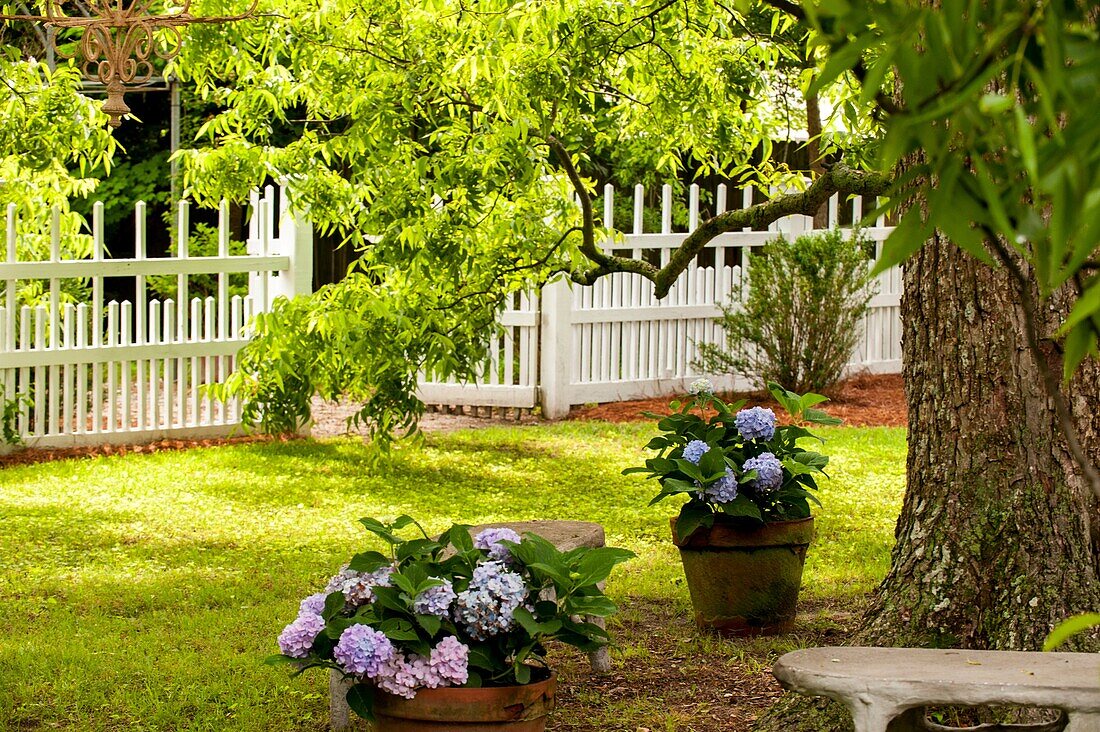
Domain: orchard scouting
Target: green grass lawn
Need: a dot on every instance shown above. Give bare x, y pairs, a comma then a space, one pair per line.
143, 592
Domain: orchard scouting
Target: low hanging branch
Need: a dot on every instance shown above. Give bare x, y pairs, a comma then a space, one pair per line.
838, 179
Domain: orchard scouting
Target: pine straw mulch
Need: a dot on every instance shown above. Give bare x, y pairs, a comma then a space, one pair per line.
668, 675
867, 400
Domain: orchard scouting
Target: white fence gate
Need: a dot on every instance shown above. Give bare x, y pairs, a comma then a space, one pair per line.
614, 341
132, 371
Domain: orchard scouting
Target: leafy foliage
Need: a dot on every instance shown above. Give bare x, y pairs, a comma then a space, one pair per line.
800, 321
438, 138
727, 449
561, 587
52, 139
999, 98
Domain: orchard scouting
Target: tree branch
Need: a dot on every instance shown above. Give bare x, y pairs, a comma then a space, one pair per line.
839, 179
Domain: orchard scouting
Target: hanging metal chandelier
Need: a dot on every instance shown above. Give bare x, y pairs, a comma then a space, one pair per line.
119, 43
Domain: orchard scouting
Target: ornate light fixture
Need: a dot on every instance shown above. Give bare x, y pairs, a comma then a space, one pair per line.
117, 44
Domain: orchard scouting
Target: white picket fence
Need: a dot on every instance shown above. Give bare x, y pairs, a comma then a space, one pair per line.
116, 372
614, 341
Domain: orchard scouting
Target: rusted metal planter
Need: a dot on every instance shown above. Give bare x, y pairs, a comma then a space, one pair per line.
489, 709
744, 580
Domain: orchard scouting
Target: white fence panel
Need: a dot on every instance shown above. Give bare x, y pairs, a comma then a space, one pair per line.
615, 341
112, 372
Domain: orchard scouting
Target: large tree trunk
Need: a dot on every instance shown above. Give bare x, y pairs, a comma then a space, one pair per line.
997, 538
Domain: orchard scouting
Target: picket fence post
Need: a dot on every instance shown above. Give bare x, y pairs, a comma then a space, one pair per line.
555, 356
296, 242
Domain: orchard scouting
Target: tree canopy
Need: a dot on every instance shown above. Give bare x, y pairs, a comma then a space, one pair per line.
458, 145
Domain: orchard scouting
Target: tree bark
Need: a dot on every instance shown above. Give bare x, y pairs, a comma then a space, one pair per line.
997, 540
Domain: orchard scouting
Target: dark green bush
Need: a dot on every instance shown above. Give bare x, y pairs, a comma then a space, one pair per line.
799, 322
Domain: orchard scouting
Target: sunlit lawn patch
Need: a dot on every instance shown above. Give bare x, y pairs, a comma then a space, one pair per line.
142, 592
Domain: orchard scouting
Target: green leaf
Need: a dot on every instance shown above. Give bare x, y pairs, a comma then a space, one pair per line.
368, 562
334, 603
907, 237
692, 516
742, 506
522, 673
430, 623
533, 627
481, 658
1069, 628
598, 606
360, 700
596, 564
459, 537
816, 416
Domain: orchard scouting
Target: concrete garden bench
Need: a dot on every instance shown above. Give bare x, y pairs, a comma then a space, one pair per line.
565, 535
886, 689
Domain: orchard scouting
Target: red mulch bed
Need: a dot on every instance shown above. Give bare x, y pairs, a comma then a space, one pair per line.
867, 400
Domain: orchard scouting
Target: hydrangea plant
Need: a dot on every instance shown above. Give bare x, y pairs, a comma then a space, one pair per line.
452, 611
735, 461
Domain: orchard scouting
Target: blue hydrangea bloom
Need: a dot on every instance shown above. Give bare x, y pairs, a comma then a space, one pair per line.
769, 472
489, 540
694, 451
363, 651
435, 600
297, 638
722, 490
485, 609
757, 423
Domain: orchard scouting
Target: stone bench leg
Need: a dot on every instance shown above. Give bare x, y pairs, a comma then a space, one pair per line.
601, 659
870, 715
339, 713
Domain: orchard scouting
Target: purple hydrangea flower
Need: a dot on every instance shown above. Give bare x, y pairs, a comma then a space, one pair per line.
757, 423
769, 472
418, 673
357, 586
297, 638
363, 651
701, 386
486, 608
450, 659
396, 678
722, 490
490, 539
314, 604
694, 451
435, 600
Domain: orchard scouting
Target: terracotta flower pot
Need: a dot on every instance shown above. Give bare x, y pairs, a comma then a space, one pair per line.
744, 579
489, 709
